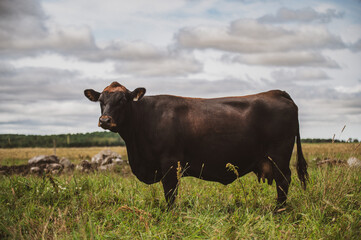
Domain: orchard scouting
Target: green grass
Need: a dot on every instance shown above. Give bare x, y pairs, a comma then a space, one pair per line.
108, 206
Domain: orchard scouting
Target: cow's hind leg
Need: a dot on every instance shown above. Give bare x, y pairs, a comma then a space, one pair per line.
280, 156
283, 180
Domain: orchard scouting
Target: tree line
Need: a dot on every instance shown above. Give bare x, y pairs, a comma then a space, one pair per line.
329, 140
61, 140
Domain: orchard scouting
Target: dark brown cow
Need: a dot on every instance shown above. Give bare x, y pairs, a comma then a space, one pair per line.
254, 133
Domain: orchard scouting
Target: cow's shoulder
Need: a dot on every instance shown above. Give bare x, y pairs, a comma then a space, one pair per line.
276, 94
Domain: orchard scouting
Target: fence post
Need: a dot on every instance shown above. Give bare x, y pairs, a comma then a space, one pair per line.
54, 146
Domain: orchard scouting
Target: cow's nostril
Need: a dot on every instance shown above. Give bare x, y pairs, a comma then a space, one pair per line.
104, 120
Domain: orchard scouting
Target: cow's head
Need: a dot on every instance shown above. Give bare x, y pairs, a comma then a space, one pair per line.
113, 102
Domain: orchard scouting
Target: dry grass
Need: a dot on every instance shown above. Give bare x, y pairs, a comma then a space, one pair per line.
14, 156
334, 150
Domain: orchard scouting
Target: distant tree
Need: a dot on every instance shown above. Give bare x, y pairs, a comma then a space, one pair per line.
62, 140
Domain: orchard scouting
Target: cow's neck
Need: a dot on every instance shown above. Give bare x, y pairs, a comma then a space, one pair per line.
139, 152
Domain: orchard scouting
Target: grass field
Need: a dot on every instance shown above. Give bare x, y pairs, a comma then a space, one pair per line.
109, 206
15, 156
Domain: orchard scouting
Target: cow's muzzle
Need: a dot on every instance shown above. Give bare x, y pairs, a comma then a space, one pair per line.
106, 122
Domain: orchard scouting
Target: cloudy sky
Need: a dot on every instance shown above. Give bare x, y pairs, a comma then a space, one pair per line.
51, 50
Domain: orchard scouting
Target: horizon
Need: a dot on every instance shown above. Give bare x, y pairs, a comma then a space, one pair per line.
311, 49
335, 137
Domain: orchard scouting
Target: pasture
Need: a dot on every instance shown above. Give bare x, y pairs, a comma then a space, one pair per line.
109, 206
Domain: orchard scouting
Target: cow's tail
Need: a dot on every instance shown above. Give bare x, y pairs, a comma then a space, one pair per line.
301, 162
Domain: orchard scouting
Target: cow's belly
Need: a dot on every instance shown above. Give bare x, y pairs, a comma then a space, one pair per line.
208, 159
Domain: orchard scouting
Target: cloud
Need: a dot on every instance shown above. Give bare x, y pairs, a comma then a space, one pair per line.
356, 47
355, 89
162, 68
45, 117
287, 59
37, 84
27, 16
45, 100
173, 66
302, 74
250, 36
143, 59
34, 35
255, 43
343, 111
200, 87
126, 51
24, 30
6, 69
307, 15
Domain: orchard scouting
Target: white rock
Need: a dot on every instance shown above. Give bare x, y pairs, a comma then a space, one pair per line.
79, 167
66, 163
105, 157
43, 159
35, 170
108, 167
54, 168
353, 162
118, 161
107, 160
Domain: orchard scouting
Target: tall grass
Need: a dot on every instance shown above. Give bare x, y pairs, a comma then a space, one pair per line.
108, 206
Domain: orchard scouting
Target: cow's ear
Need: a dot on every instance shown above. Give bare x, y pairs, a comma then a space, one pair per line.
137, 94
91, 94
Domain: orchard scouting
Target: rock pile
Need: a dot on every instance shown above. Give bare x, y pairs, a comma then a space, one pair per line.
351, 162
330, 161
51, 163
105, 160
86, 166
39, 165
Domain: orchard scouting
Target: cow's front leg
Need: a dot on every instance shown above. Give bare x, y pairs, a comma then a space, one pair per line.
170, 185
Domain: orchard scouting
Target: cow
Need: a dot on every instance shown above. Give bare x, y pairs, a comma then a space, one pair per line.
166, 133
